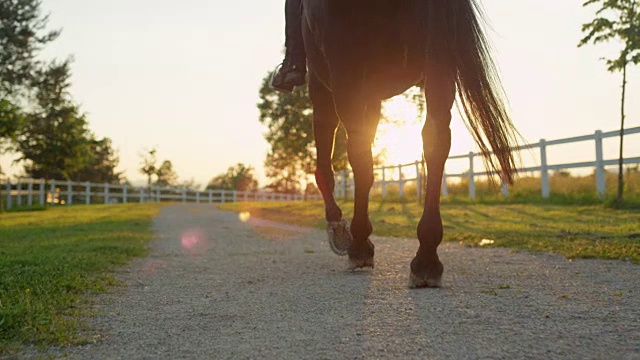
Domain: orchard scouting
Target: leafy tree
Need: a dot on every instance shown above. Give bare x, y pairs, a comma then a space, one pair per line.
617, 20
239, 177
22, 36
10, 120
166, 175
54, 140
285, 174
149, 167
101, 163
288, 118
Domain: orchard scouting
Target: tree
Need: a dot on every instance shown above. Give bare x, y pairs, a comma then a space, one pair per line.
149, 167
617, 20
54, 140
22, 36
10, 120
239, 177
101, 163
166, 175
288, 118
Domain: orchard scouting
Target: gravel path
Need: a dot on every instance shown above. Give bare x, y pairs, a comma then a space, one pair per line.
215, 287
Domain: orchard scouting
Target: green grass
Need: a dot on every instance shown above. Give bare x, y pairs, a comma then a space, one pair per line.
51, 260
591, 231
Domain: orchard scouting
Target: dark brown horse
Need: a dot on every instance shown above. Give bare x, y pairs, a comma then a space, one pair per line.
361, 52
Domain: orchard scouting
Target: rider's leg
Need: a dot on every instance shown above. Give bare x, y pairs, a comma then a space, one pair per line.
293, 71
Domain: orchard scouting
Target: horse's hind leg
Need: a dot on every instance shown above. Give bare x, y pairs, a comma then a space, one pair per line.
426, 267
325, 122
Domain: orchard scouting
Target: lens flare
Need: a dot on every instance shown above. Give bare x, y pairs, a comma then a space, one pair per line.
191, 240
244, 216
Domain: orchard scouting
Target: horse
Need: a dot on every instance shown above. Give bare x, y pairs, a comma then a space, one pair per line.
361, 52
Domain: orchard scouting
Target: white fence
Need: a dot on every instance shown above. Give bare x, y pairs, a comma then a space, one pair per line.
344, 180
30, 192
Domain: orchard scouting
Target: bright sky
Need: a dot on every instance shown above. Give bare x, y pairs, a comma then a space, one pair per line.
184, 76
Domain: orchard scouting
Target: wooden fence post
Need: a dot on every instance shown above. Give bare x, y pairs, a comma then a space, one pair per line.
400, 182
43, 198
88, 193
52, 190
343, 174
69, 193
418, 181
125, 193
210, 196
601, 180
444, 189
472, 179
19, 193
384, 183
8, 194
30, 193
106, 193
544, 169
505, 190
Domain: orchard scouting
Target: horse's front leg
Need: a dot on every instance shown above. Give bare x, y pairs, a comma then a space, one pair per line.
361, 123
426, 267
325, 122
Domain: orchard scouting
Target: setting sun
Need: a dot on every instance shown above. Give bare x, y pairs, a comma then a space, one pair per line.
398, 138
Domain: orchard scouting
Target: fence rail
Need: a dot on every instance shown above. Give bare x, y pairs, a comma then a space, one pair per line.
34, 192
344, 180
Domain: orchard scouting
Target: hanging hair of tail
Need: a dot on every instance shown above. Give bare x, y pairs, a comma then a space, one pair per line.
456, 37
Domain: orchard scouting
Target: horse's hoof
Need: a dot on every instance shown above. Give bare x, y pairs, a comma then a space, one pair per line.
426, 273
416, 282
355, 264
361, 255
339, 237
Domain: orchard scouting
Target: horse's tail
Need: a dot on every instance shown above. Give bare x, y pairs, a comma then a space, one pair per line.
456, 37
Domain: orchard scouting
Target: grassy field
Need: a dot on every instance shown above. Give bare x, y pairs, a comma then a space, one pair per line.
50, 260
593, 231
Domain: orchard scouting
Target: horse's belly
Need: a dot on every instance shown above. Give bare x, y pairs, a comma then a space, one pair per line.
379, 38
391, 81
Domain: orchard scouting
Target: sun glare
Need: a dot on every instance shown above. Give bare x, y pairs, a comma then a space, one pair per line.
399, 139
